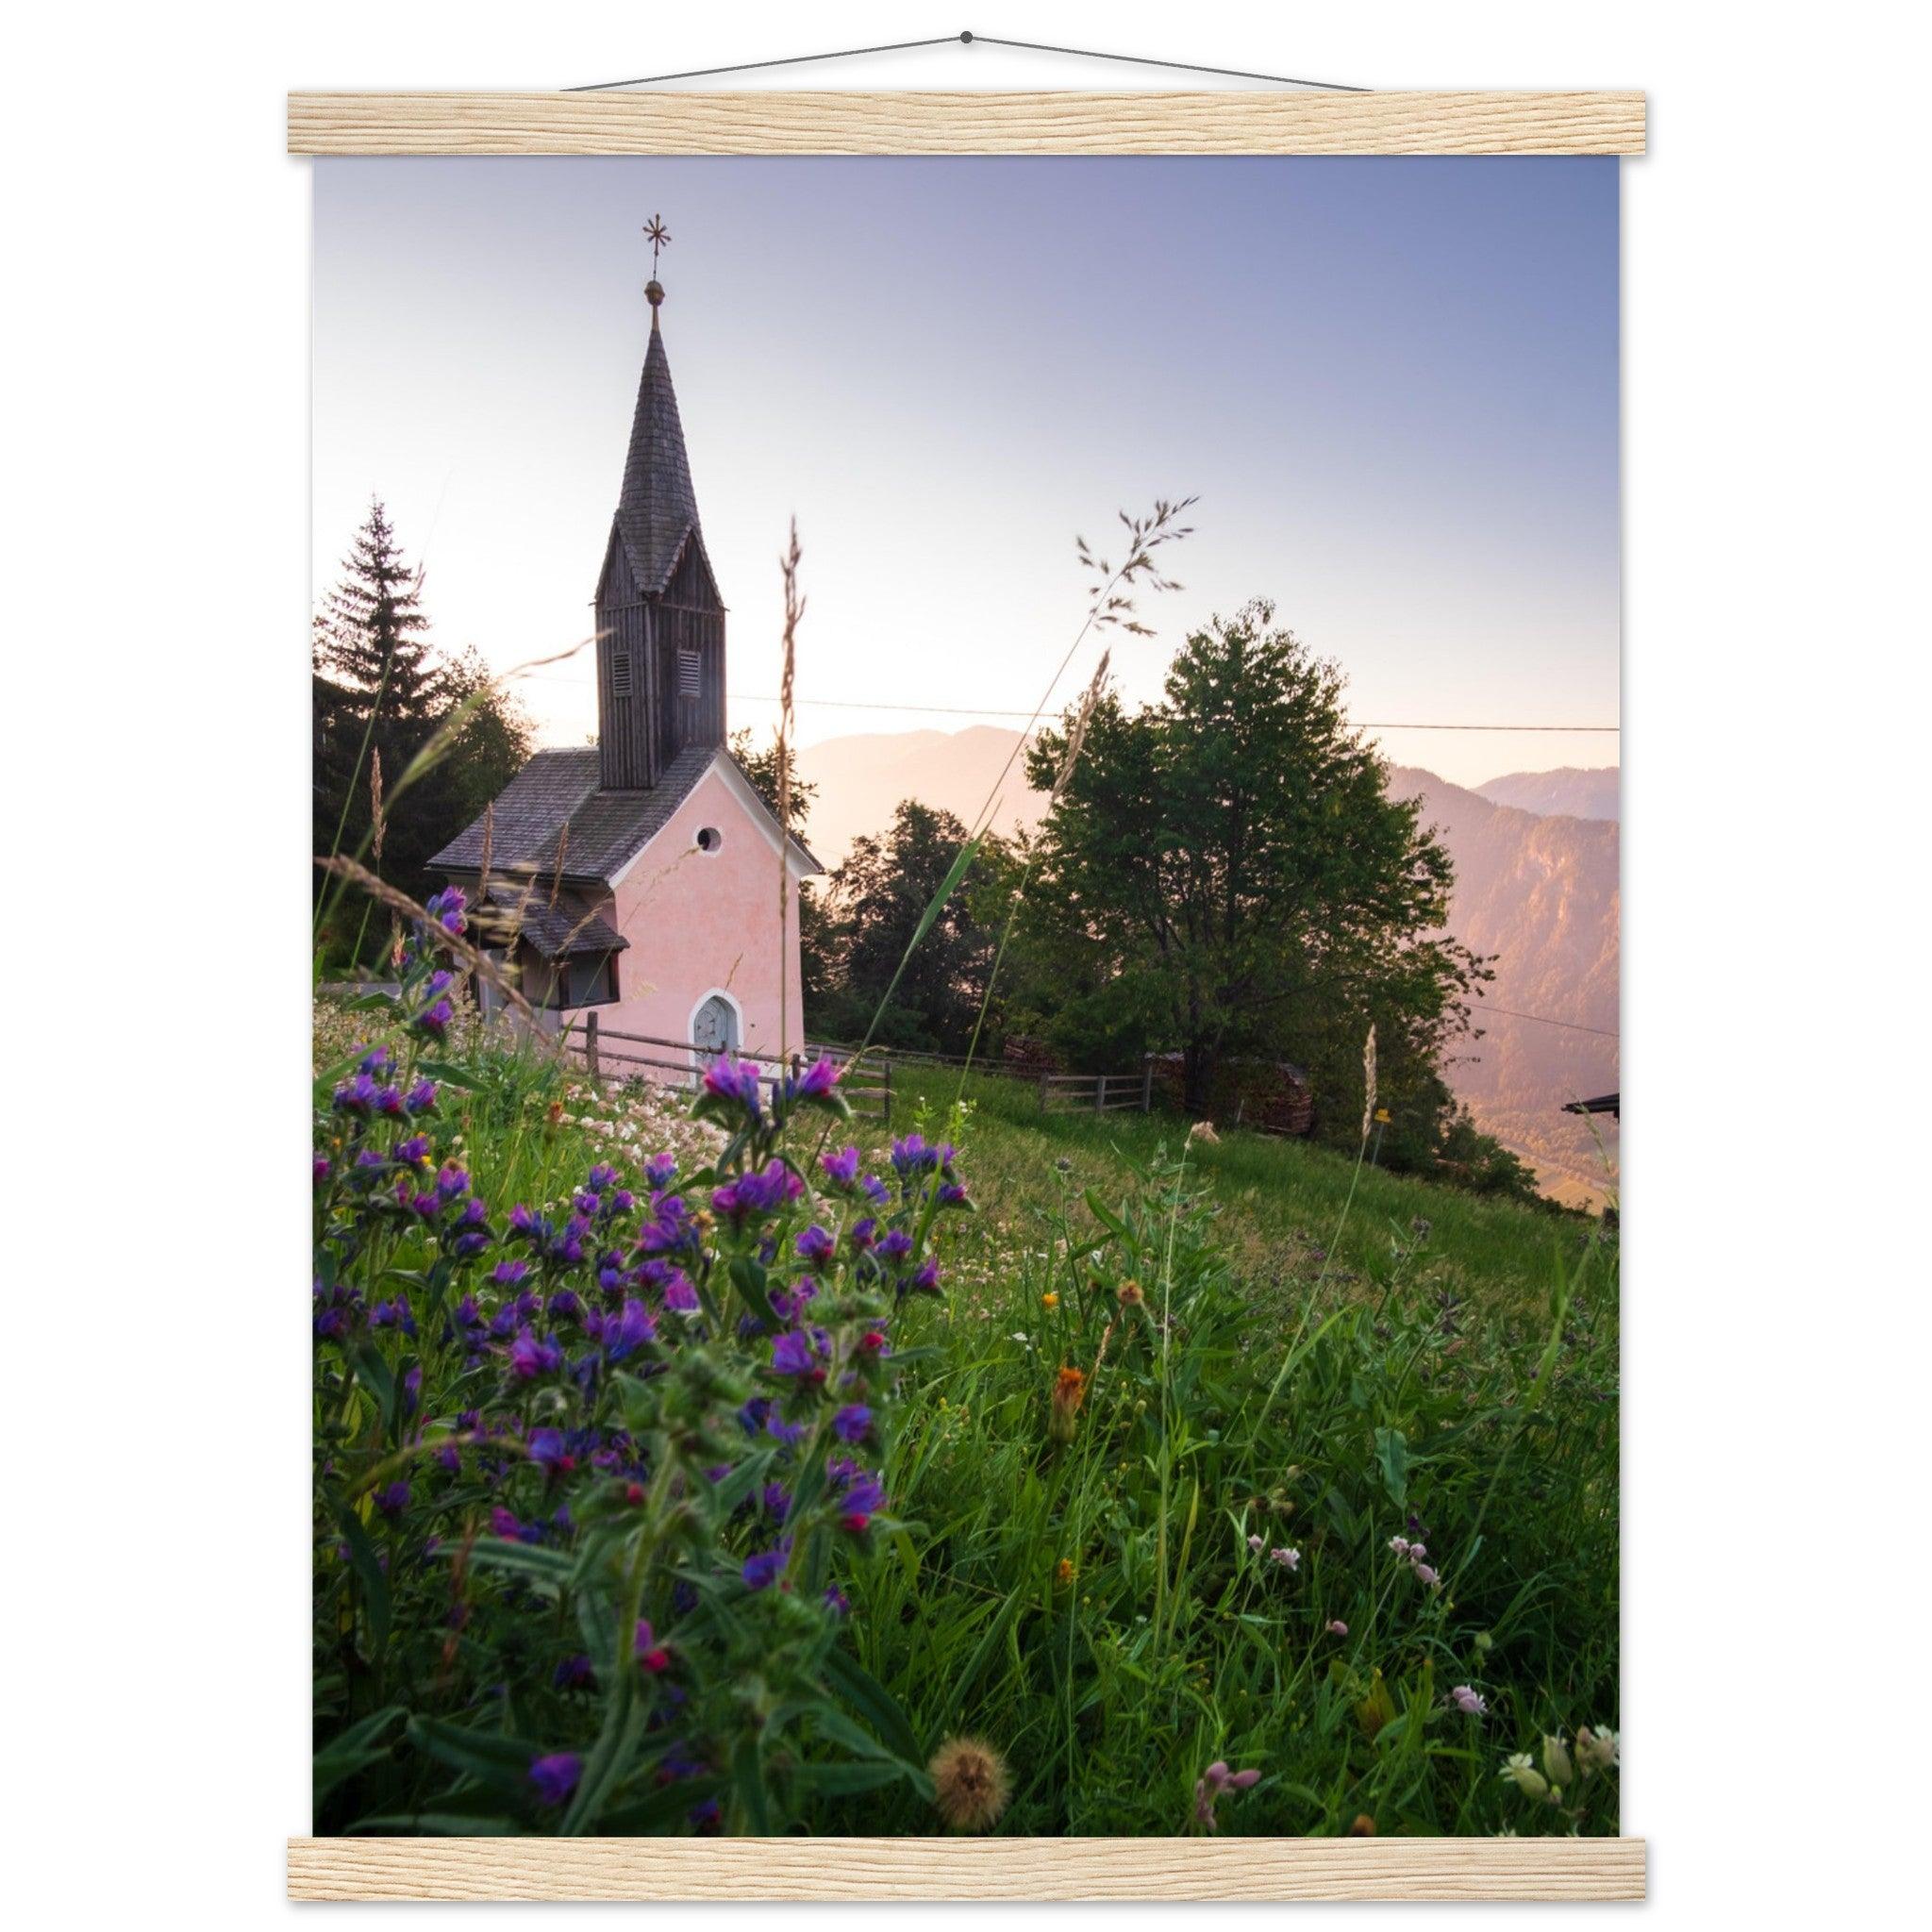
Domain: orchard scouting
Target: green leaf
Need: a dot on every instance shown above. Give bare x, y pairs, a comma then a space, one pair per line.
501, 1760
625, 1714
1107, 1217
441, 1825
597, 1624
368, 1569
645, 1817
748, 1780
749, 1280
449, 1074
874, 1701
834, 1725
728, 1494
968, 1677
1391, 1454
349, 1751
842, 1780
528, 1559
375, 1372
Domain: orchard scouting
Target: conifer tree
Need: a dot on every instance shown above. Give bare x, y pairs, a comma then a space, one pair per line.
372, 634
382, 691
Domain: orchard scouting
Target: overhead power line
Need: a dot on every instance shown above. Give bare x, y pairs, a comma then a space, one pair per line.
745, 697
1544, 1020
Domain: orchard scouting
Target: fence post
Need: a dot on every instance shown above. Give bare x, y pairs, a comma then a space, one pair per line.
1148, 1083
1100, 1093
590, 1045
886, 1099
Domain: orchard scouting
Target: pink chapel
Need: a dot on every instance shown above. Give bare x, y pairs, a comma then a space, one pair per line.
637, 879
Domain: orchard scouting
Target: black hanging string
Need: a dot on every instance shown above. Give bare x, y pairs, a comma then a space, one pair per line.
967, 39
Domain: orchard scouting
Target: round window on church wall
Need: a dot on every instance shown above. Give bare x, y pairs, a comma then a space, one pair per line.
709, 839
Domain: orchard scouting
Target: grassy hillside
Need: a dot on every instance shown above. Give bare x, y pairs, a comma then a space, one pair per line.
1201, 1495
1282, 1201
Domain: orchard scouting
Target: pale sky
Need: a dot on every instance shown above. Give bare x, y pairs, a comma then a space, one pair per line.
1392, 383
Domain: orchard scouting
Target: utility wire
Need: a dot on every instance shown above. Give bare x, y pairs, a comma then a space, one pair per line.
965, 40
1542, 1019
745, 697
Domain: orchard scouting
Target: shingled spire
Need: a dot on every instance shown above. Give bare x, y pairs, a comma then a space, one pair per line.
660, 650
656, 508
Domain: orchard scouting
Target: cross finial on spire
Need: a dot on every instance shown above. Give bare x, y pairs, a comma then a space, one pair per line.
659, 237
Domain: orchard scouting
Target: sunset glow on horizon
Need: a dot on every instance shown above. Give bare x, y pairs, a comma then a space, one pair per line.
1392, 385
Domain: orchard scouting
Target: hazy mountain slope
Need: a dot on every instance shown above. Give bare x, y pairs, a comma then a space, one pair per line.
1540, 892
1592, 793
1542, 895
862, 778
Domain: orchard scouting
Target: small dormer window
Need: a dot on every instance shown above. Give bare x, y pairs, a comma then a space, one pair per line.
619, 674
709, 839
687, 674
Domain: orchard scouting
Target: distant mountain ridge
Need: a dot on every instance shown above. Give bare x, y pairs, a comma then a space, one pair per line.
1581, 792
1538, 888
1542, 895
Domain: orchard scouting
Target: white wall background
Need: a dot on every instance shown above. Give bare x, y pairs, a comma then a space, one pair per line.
1775, 736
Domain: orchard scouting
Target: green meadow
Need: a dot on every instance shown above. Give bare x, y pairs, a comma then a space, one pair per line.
1213, 1454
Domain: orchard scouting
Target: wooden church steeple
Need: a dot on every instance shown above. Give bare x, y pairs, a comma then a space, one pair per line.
661, 621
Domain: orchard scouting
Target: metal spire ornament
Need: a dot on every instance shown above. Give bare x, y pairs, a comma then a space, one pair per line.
659, 236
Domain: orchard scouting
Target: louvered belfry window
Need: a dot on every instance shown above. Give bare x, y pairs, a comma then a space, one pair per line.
619, 674
687, 674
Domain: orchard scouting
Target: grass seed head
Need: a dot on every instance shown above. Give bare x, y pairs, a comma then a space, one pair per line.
970, 1783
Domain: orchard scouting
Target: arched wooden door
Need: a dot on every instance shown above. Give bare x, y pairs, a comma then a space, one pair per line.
715, 1028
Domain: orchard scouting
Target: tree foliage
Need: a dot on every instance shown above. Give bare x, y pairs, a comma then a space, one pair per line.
763, 767
870, 911
1226, 874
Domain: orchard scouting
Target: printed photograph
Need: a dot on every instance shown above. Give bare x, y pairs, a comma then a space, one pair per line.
965, 997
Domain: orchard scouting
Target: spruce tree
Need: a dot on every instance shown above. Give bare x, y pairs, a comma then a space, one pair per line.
371, 633
381, 692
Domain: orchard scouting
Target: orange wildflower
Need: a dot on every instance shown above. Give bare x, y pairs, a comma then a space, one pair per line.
1069, 1392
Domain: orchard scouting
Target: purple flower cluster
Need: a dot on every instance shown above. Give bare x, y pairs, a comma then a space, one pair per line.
563, 1374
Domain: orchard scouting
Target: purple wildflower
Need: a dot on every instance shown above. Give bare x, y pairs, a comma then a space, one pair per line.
556, 1775
731, 1080
530, 1355
841, 1168
763, 1568
815, 1082
792, 1354
355, 1096
627, 1331
447, 908
853, 1422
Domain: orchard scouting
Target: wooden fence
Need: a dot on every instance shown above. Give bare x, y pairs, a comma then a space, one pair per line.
1098, 1092
609, 1054
1059, 1092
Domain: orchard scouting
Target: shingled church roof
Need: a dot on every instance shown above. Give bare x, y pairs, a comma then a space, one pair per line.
554, 806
